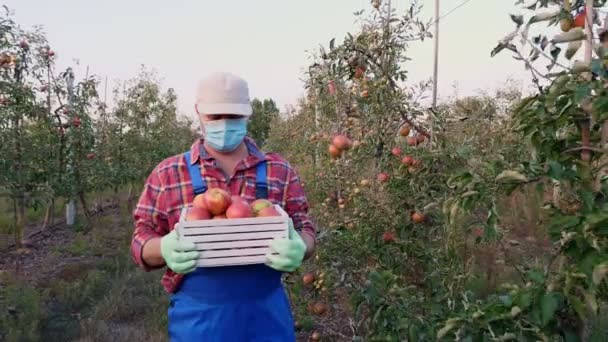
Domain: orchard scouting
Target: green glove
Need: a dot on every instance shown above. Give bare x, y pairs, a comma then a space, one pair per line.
179, 256
290, 251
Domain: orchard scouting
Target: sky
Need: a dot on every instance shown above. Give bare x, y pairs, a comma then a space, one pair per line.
264, 41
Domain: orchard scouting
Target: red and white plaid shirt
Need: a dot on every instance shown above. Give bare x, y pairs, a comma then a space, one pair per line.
168, 189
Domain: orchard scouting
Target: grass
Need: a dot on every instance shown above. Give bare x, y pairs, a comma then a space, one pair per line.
100, 297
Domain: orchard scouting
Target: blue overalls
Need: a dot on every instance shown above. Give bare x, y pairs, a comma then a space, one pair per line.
231, 303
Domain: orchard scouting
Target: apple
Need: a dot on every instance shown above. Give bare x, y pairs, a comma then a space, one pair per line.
388, 237
396, 151
342, 142
217, 201
239, 209
90, 156
332, 87
50, 53
320, 308
412, 141
308, 279
199, 201
359, 72
404, 131
407, 160
260, 204
341, 201
334, 151
383, 177
364, 93
364, 182
416, 162
420, 138
418, 217
315, 337
24, 45
196, 213
76, 122
268, 211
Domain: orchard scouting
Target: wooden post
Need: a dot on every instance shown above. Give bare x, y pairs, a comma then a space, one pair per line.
435, 73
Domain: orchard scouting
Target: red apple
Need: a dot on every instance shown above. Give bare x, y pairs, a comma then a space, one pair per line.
260, 204
418, 217
404, 131
407, 160
383, 177
364, 93
396, 151
332, 87
196, 213
199, 201
76, 122
217, 201
388, 237
359, 72
420, 138
90, 156
412, 141
51, 53
24, 45
267, 212
334, 151
342, 142
239, 209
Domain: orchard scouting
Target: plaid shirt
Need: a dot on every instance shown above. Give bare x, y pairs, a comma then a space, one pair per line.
168, 189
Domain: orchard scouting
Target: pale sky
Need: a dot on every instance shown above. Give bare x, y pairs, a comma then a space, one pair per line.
264, 41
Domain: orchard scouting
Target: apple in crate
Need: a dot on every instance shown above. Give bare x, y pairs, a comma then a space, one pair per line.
239, 209
217, 201
268, 211
219, 217
196, 213
199, 201
260, 204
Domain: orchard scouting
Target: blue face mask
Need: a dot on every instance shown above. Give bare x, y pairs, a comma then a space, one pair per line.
225, 135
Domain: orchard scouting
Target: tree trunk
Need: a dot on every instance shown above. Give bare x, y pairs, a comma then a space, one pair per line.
19, 221
83, 203
48, 216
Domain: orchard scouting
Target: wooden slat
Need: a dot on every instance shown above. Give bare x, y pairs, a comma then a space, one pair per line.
234, 252
232, 244
232, 237
231, 261
232, 229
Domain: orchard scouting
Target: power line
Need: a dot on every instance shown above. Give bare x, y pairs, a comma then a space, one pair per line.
451, 11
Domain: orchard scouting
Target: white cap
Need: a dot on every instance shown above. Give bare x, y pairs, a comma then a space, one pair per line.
223, 93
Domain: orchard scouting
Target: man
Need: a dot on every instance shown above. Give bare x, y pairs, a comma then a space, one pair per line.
235, 303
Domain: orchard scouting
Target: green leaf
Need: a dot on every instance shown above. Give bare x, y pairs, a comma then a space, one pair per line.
561, 223
536, 276
556, 170
509, 176
599, 272
517, 19
548, 306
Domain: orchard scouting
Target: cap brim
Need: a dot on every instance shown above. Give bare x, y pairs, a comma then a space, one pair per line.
225, 108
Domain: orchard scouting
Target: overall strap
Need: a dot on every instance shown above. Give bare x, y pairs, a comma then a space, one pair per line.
261, 184
198, 183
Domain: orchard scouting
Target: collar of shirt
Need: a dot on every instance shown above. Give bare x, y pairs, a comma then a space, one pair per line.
198, 152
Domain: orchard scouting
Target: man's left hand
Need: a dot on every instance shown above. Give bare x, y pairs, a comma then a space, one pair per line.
290, 251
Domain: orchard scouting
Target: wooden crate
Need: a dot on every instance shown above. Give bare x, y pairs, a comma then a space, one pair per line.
229, 242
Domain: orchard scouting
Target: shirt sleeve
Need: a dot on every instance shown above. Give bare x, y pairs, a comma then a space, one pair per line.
150, 219
297, 205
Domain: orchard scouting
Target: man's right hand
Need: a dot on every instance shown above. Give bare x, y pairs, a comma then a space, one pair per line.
179, 256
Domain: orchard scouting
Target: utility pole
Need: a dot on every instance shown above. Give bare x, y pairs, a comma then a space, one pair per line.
70, 210
435, 72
